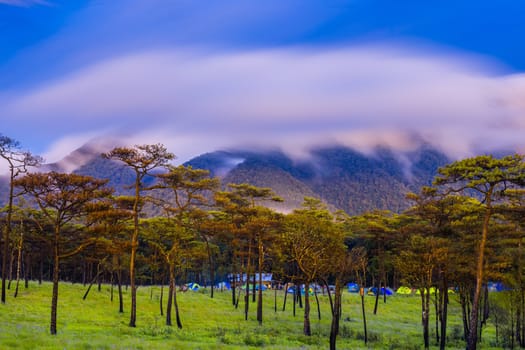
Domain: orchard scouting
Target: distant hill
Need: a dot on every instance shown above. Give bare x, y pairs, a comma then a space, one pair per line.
342, 177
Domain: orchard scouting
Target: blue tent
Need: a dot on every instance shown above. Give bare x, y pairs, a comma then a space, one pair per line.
496, 287
387, 291
193, 286
353, 287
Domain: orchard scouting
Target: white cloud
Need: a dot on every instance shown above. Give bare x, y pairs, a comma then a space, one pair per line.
292, 97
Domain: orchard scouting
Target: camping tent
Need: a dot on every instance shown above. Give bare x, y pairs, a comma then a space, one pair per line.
193, 286
403, 290
353, 288
387, 291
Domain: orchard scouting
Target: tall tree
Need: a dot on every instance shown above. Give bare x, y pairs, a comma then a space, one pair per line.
63, 198
142, 159
111, 219
489, 177
241, 206
377, 231
313, 238
192, 191
18, 162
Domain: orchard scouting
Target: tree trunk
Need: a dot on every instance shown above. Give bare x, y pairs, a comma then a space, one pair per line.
161, 306
19, 262
294, 298
444, 314
91, 284
111, 283
133, 313
285, 295
362, 294
336, 315
11, 263
254, 282
437, 312
212, 268
275, 299
54, 298
306, 326
473, 333
425, 315
134, 247
317, 302
247, 294
170, 295
175, 303
119, 284
41, 272
377, 298
260, 296
7, 232
233, 285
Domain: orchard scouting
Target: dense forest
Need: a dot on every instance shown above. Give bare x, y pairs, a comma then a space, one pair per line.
460, 234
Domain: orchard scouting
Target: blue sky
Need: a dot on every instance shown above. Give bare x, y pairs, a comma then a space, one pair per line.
203, 75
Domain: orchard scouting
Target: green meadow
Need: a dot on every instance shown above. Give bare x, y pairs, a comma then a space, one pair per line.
95, 323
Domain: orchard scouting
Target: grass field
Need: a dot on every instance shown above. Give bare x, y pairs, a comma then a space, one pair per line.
95, 323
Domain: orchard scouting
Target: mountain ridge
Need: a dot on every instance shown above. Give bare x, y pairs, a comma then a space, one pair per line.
342, 177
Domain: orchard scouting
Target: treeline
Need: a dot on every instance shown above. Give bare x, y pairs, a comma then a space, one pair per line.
465, 230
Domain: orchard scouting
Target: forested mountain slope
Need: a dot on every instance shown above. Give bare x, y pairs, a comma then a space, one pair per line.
343, 178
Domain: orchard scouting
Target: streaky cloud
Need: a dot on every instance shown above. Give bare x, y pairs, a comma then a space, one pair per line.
294, 98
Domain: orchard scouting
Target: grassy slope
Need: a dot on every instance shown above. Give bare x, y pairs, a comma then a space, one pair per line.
208, 323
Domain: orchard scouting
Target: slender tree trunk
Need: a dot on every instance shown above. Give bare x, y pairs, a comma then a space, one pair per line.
212, 267
294, 298
119, 284
425, 294
11, 263
465, 312
134, 247
362, 294
170, 294
473, 334
377, 297
56, 271
254, 283
336, 316
317, 302
444, 314
233, 285
41, 272
247, 294
99, 273
329, 297
176, 304
19, 262
161, 306
300, 298
275, 299
306, 326
133, 314
437, 312
260, 296
7, 232
91, 284
285, 295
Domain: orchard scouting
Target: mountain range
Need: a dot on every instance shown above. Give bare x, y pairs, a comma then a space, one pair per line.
342, 177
